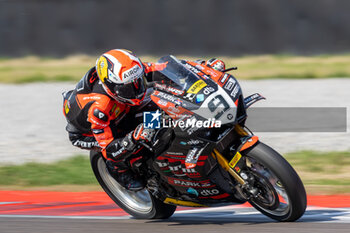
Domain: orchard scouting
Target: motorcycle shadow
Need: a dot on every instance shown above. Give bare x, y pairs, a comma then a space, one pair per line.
246, 215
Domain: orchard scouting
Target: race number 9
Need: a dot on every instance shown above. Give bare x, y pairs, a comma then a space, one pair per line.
218, 104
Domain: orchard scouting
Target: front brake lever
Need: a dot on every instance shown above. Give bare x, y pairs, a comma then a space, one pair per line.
146, 145
229, 69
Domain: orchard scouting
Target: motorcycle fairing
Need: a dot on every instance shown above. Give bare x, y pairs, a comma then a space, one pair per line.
183, 89
171, 165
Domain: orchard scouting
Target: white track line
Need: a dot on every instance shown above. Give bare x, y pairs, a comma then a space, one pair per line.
66, 217
313, 214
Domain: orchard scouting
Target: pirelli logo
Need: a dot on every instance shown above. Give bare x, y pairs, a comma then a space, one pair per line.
235, 160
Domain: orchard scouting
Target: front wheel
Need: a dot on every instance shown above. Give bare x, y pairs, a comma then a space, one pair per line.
280, 192
140, 204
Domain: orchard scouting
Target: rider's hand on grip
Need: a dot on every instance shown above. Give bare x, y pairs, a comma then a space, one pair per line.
143, 135
216, 64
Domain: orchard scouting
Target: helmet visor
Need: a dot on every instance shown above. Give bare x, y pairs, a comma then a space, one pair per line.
131, 90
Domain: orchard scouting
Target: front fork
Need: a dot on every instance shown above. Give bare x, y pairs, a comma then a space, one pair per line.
234, 167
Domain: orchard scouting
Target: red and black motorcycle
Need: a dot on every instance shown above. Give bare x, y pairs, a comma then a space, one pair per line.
203, 154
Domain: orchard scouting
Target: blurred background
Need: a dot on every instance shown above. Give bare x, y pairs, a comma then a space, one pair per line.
158, 27
295, 53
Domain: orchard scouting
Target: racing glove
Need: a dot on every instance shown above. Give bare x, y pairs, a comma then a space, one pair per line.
121, 148
216, 64
143, 136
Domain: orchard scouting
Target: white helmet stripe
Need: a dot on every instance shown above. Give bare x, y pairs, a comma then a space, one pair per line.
116, 68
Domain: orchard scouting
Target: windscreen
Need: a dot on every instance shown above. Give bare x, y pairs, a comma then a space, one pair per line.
175, 74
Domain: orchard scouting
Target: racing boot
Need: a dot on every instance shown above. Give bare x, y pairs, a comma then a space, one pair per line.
125, 177
129, 180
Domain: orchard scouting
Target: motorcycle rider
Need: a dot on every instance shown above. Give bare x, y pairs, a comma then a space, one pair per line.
101, 111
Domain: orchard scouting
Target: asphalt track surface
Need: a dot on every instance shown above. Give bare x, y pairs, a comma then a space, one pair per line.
39, 212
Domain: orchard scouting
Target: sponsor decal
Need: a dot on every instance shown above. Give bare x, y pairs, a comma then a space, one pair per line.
196, 71
91, 98
192, 191
235, 91
168, 97
175, 91
151, 120
188, 183
230, 84
161, 164
173, 110
214, 73
192, 157
132, 73
196, 87
199, 67
224, 78
208, 90
191, 154
164, 87
176, 170
84, 144
115, 111
223, 134
102, 68
199, 98
120, 151
162, 102
235, 160
189, 96
237, 169
175, 153
194, 142
209, 192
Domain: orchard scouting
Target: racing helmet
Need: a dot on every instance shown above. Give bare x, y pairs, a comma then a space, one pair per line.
122, 76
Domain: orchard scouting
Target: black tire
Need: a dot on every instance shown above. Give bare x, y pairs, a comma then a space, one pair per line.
291, 183
153, 208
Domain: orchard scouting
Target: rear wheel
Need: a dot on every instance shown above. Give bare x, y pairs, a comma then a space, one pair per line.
280, 194
140, 204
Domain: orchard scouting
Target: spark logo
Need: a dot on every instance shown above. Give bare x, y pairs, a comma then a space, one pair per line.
151, 120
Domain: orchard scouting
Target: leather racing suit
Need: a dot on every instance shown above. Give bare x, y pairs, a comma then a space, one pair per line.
98, 122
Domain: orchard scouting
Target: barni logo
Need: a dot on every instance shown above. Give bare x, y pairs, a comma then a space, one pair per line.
151, 120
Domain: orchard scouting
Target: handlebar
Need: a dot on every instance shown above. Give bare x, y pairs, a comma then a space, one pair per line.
228, 69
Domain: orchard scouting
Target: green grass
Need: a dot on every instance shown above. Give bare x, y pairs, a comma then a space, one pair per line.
322, 173
72, 68
74, 171
320, 162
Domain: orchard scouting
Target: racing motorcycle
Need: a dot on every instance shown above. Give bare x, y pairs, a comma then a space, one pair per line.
203, 155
